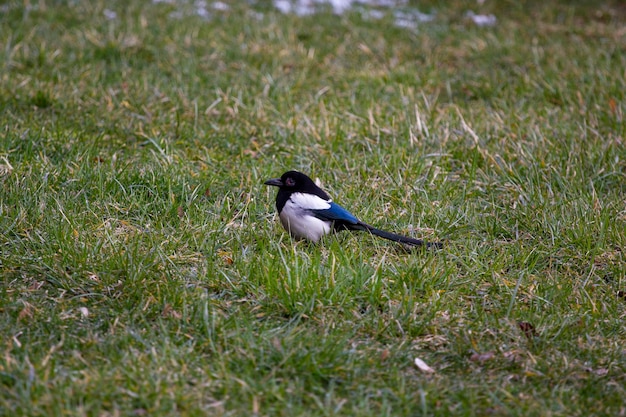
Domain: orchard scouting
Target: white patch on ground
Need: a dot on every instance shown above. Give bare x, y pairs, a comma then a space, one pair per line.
109, 14
403, 13
218, 5
307, 7
405, 17
411, 19
201, 9
481, 19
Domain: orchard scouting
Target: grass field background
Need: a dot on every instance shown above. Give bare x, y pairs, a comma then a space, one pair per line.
142, 268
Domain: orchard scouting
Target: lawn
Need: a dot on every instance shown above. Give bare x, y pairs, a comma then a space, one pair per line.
143, 271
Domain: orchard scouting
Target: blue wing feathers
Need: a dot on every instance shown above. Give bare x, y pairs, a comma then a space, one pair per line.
335, 213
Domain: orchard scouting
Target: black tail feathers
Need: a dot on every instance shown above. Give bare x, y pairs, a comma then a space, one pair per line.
399, 238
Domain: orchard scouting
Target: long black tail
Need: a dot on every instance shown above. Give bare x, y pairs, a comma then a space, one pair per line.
399, 238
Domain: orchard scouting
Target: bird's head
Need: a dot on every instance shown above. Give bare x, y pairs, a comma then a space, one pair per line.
296, 182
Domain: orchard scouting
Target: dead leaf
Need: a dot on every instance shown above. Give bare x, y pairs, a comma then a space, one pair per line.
613, 105
599, 371
482, 357
277, 343
527, 328
513, 355
168, 311
26, 313
35, 285
226, 256
421, 365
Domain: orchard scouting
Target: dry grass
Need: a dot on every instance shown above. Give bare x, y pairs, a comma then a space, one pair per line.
144, 273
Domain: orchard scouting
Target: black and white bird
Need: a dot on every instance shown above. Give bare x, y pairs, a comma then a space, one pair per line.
308, 213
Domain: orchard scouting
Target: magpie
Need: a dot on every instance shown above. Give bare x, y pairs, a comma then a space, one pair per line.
308, 213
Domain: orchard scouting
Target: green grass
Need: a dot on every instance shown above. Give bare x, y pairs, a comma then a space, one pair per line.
142, 268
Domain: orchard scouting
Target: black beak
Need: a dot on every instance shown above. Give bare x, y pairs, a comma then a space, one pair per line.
276, 182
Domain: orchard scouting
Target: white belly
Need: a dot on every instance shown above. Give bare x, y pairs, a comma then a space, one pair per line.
302, 225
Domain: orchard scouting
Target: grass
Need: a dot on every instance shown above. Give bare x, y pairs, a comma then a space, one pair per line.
143, 270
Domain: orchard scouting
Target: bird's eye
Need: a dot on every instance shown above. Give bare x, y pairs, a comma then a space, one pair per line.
290, 182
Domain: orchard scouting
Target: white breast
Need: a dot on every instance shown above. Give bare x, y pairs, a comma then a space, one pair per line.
296, 218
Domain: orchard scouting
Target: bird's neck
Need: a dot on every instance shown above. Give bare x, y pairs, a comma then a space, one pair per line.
281, 199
